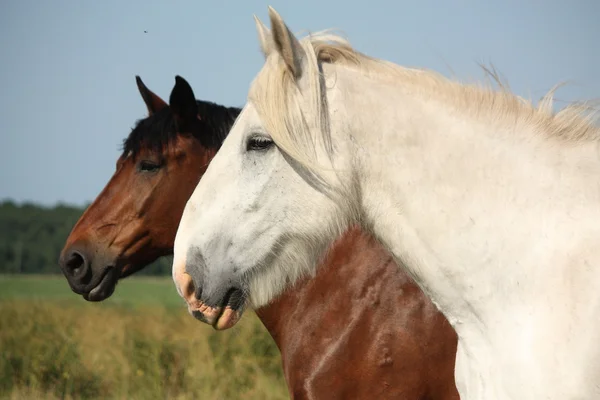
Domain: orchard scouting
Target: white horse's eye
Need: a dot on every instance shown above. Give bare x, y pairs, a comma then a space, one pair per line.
256, 143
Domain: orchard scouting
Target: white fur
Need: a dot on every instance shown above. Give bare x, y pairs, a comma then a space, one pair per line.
492, 204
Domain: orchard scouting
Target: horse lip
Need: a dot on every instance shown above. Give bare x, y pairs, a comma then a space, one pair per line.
105, 288
234, 300
200, 316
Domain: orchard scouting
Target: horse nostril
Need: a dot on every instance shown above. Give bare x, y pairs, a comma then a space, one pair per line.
75, 264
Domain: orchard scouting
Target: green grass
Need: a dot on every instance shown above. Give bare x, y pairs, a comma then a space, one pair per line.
140, 344
133, 291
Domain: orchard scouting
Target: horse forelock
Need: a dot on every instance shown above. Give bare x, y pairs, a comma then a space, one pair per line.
159, 130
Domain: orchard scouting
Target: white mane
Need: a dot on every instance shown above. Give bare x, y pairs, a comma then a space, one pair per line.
276, 97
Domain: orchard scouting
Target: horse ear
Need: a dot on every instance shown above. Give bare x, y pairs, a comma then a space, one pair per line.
286, 44
183, 102
153, 102
264, 37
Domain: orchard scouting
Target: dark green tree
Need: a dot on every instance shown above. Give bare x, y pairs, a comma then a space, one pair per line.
32, 236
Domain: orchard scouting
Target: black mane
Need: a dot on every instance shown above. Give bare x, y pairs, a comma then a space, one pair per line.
159, 130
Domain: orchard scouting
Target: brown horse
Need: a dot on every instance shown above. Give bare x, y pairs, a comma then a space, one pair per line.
370, 350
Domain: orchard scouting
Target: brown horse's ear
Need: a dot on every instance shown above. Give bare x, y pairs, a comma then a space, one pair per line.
153, 102
183, 102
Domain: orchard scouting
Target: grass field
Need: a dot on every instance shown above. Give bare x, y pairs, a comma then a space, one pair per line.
139, 344
131, 292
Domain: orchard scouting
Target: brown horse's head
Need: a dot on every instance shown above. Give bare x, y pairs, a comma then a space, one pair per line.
133, 221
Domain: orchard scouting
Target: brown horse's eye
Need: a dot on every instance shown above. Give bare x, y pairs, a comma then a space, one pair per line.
149, 166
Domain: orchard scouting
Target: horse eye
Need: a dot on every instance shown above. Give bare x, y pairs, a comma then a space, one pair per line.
148, 166
257, 143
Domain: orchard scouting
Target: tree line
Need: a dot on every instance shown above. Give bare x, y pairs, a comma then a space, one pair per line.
32, 236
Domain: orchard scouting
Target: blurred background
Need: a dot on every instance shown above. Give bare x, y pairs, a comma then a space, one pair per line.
68, 99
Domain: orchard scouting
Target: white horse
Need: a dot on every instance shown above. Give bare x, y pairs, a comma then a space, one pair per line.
491, 203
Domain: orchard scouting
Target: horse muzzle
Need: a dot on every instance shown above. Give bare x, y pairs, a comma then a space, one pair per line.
221, 312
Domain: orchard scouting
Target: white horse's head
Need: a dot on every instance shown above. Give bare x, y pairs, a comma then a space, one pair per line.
269, 204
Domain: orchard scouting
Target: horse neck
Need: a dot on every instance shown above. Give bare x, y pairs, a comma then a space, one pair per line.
435, 183
497, 222
355, 276
291, 309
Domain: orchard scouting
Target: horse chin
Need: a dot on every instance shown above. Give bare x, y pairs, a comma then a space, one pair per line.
105, 287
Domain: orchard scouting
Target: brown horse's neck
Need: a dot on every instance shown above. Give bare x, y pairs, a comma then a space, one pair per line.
354, 264
276, 317
361, 319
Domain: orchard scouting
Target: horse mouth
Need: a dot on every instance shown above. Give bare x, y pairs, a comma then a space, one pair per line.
105, 287
227, 314
231, 310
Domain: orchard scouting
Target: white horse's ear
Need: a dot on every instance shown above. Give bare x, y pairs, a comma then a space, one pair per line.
264, 37
286, 44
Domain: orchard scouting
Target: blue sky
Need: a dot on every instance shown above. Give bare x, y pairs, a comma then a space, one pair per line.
68, 95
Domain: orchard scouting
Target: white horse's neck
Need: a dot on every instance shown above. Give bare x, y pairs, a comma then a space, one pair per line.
498, 225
